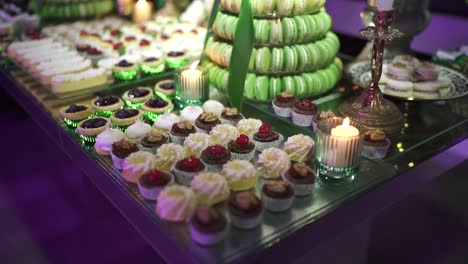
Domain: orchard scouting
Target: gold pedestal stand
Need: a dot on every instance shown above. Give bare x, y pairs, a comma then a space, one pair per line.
370, 109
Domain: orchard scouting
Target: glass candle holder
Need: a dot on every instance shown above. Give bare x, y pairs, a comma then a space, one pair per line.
339, 147
192, 86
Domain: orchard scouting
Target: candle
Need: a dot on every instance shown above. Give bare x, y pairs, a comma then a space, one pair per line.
142, 12
384, 5
345, 130
192, 85
192, 77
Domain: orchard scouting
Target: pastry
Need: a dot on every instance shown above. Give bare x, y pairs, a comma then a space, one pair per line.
153, 182
210, 188
105, 140
223, 134
167, 155
427, 90
73, 82
136, 131
399, 71
106, 105
125, 70
208, 226
242, 148
137, 164
176, 59
241, 175
272, 163
121, 150
375, 145
205, 122
191, 113
155, 107
215, 157
166, 121
245, 210
176, 203
195, 143
282, 105
321, 116
88, 129
300, 148
303, 112
165, 89
426, 72
407, 60
213, 106
152, 65
277, 196
399, 88
301, 177
123, 118
266, 138
188, 168
180, 131
48, 75
248, 126
230, 116
135, 97
74, 114
152, 141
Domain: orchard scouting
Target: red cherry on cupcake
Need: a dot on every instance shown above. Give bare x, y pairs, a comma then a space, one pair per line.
306, 103
217, 150
154, 176
83, 33
130, 38
144, 42
94, 51
164, 37
264, 129
142, 29
118, 45
179, 31
115, 32
191, 162
242, 140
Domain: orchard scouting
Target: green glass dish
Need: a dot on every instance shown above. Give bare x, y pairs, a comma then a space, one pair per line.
121, 128
132, 105
150, 116
125, 75
175, 63
72, 123
106, 114
88, 139
152, 70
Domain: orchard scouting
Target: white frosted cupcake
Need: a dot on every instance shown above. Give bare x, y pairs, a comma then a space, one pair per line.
277, 196
300, 147
137, 131
213, 106
105, 140
248, 126
176, 203
195, 143
210, 188
153, 182
191, 113
208, 226
241, 175
167, 156
223, 134
265, 138
272, 163
137, 164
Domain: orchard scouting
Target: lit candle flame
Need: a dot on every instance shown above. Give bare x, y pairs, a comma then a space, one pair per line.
194, 65
346, 122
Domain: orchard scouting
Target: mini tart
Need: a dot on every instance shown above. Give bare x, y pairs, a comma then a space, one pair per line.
72, 114
136, 96
125, 70
176, 59
88, 129
107, 104
245, 209
125, 117
152, 65
208, 226
158, 105
166, 87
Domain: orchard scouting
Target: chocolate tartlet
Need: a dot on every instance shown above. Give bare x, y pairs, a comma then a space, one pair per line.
215, 155
123, 148
300, 173
208, 220
285, 99
305, 107
266, 134
153, 140
155, 178
375, 138
182, 129
241, 145
207, 121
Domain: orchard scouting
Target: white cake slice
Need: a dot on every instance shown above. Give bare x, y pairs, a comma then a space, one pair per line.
80, 81
46, 76
15, 46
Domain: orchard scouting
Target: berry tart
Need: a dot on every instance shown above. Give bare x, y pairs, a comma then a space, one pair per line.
303, 112
123, 118
153, 182
277, 196
94, 55
245, 210
120, 151
88, 129
215, 157
180, 131
230, 116
152, 65
242, 148
176, 59
266, 138
375, 145
165, 89
208, 226
106, 105
74, 114
152, 141
155, 107
125, 70
205, 122
282, 104
185, 170
301, 177
135, 97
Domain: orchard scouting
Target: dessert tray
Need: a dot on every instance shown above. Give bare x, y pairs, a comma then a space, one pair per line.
360, 74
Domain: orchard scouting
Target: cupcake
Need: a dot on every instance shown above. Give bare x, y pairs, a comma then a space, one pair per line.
188, 168
125, 70
156, 107
195, 143
106, 105
230, 116
303, 112
165, 89
277, 196
191, 113
74, 114
105, 140
321, 116
152, 141
245, 210
282, 104
375, 145
152, 65
266, 138
167, 155
137, 164
223, 134
88, 129
123, 118
300, 148
137, 131
135, 97
272, 163
241, 175
94, 54
399, 71
120, 151
205, 122
153, 182
215, 157
208, 226
180, 131
248, 126
210, 188
213, 106
301, 177
242, 148
426, 72
166, 121
176, 203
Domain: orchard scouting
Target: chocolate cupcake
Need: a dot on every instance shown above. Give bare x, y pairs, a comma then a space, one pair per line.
266, 138
242, 148
375, 145
301, 177
321, 116
277, 195
206, 121
303, 112
215, 157
152, 183
230, 116
180, 131
245, 210
152, 141
188, 168
282, 104
208, 226
120, 151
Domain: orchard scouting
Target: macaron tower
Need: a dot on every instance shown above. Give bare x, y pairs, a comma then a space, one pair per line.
294, 49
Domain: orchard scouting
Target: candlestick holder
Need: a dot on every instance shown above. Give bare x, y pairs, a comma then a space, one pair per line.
370, 109
190, 89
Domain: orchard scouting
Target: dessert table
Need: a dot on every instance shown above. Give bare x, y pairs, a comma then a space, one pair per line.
431, 142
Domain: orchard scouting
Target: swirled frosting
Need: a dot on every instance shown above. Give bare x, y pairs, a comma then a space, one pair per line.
167, 155
213, 106
210, 188
248, 126
299, 147
176, 203
240, 174
139, 162
166, 120
223, 134
195, 143
138, 130
105, 140
272, 162
191, 113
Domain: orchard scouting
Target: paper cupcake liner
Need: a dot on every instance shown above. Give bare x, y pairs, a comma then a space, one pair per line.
177, 139
147, 149
118, 162
277, 205
246, 222
184, 177
282, 111
261, 146
302, 120
262, 180
243, 156
375, 152
230, 122
207, 239
300, 189
200, 130
213, 167
153, 193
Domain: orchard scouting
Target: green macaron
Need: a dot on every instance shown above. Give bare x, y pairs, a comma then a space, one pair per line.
277, 60
314, 56
288, 84
276, 33
304, 58
258, 7
230, 29
250, 84
228, 23
317, 84
261, 88
300, 88
275, 87
263, 60
220, 80
253, 57
324, 53
302, 30
262, 31
284, 7
300, 7
226, 56
213, 73
269, 7
289, 30
308, 82
328, 21
290, 59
